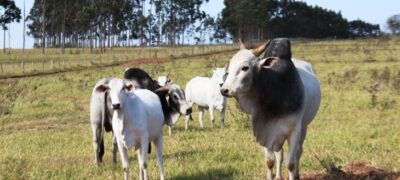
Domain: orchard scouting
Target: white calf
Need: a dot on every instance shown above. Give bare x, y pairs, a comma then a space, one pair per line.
205, 92
137, 121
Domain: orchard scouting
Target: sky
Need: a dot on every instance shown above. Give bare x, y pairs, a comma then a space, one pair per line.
372, 11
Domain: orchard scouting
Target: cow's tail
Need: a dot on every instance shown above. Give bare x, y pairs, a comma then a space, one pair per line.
103, 119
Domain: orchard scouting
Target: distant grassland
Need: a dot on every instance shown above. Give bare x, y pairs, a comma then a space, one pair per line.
45, 132
33, 62
118, 53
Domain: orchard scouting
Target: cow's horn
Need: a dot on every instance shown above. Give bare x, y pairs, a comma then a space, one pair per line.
241, 45
163, 88
260, 49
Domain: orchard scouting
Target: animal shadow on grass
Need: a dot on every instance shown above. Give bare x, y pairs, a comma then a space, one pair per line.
181, 154
196, 128
210, 174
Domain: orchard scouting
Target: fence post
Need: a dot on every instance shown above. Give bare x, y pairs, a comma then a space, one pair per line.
42, 65
13, 68
33, 67
52, 64
1, 67
23, 67
100, 60
59, 63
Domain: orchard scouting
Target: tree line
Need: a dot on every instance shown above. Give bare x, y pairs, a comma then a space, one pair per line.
110, 23
260, 19
115, 23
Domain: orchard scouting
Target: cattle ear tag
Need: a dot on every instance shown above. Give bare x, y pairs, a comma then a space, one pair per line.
268, 62
102, 88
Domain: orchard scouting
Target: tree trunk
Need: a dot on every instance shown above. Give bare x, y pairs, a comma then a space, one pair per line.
23, 32
43, 25
109, 33
4, 40
63, 28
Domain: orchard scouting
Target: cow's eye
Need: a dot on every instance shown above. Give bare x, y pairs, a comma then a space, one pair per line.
175, 96
245, 68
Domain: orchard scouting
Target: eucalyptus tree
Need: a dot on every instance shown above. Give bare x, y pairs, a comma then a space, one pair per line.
9, 13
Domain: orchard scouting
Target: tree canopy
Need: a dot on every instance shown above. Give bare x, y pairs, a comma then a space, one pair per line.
393, 23
110, 23
260, 19
9, 13
106, 23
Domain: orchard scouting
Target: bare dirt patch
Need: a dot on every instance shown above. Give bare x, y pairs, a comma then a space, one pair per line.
354, 171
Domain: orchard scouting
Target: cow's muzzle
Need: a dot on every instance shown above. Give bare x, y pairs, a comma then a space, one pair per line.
225, 92
116, 106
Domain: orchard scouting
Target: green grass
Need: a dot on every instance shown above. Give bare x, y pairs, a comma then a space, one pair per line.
45, 131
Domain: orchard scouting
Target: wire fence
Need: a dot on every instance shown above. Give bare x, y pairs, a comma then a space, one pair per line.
33, 64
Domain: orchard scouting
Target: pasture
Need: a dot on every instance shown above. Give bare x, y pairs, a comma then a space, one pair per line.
45, 131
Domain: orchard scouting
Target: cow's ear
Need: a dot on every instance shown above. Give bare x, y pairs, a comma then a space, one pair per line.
268, 62
102, 88
163, 89
130, 87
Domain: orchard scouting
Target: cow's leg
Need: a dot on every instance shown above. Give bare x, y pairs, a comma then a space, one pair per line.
292, 160
159, 145
140, 160
188, 117
114, 148
201, 114
222, 117
144, 153
212, 118
278, 160
169, 130
270, 159
187, 122
300, 151
96, 130
124, 158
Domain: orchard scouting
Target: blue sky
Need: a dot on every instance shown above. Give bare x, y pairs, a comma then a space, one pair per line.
368, 10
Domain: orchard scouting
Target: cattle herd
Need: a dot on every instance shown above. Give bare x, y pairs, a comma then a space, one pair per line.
281, 95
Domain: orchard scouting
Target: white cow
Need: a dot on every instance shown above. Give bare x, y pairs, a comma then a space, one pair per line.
205, 92
281, 95
137, 121
100, 121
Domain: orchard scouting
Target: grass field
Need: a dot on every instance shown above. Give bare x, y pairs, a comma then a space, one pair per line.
45, 131
33, 62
